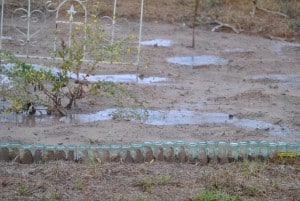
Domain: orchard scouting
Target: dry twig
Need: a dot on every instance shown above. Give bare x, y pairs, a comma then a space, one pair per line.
221, 24
255, 7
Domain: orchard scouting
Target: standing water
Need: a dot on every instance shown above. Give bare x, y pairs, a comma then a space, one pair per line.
198, 60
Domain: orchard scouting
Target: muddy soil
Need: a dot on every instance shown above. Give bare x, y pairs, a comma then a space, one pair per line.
252, 94
257, 81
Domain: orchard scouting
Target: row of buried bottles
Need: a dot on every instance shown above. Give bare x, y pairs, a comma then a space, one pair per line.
179, 151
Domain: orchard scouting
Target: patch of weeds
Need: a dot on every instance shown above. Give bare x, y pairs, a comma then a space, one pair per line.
212, 3
120, 198
252, 168
208, 195
138, 198
253, 191
145, 183
95, 168
79, 185
130, 114
275, 185
53, 197
221, 181
297, 169
164, 180
23, 189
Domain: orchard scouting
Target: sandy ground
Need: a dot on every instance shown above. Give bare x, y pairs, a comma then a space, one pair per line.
259, 82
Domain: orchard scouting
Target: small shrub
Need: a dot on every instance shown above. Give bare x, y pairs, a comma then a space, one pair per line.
164, 179
219, 195
253, 191
23, 189
145, 183
79, 185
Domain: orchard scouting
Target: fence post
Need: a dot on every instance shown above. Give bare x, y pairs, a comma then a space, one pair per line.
1, 23
140, 34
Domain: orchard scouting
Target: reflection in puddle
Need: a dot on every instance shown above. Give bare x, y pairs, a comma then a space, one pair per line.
40, 117
237, 50
157, 42
289, 80
156, 117
291, 50
198, 60
86, 118
4, 79
117, 78
125, 78
6, 38
121, 78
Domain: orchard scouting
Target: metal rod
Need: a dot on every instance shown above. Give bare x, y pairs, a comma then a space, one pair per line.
113, 22
140, 34
1, 25
194, 22
28, 27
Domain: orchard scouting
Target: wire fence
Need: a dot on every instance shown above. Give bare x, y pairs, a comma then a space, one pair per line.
34, 29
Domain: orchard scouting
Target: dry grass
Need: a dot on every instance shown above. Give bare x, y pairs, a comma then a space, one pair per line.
157, 181
233, 12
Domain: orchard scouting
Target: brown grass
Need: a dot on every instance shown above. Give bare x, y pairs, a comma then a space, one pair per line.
233, 12
60, 180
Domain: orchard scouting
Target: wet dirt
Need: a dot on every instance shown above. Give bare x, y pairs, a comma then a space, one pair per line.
148, 117
241, 87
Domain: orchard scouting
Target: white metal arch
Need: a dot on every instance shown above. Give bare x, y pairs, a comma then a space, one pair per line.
55, 6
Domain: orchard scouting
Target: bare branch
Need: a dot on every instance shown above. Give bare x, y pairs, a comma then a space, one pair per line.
255, 7
221, 24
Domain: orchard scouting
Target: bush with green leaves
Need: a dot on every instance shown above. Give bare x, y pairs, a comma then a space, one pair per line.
56, 88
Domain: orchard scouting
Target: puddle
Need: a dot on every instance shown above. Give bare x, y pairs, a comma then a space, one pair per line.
237, 50
40, 117
157, 42
125, 78
4, 79
6, 38
87, 118
153, 117
4, 105
198, 60
289, 80
291, 50
117, 78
